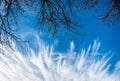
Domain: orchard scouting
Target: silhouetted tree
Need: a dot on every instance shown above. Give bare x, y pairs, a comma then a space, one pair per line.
114, 10
56, 13
9, 11
53, 13
112, 7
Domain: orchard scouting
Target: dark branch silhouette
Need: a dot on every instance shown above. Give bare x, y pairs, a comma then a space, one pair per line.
51, 13
114, 10
56, 13
9, 11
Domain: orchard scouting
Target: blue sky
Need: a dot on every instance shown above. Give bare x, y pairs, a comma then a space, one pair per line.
93, 29
54, 57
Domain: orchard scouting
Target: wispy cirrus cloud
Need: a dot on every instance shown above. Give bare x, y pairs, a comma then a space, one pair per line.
48, 65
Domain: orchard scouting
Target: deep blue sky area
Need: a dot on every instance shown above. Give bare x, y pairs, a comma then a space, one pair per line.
108, 33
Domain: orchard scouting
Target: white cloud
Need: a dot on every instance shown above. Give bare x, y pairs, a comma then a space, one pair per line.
51, 66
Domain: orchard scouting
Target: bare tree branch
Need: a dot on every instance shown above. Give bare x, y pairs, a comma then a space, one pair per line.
56, 13
53, 14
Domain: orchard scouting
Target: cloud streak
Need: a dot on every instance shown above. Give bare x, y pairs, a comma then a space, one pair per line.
47, 65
